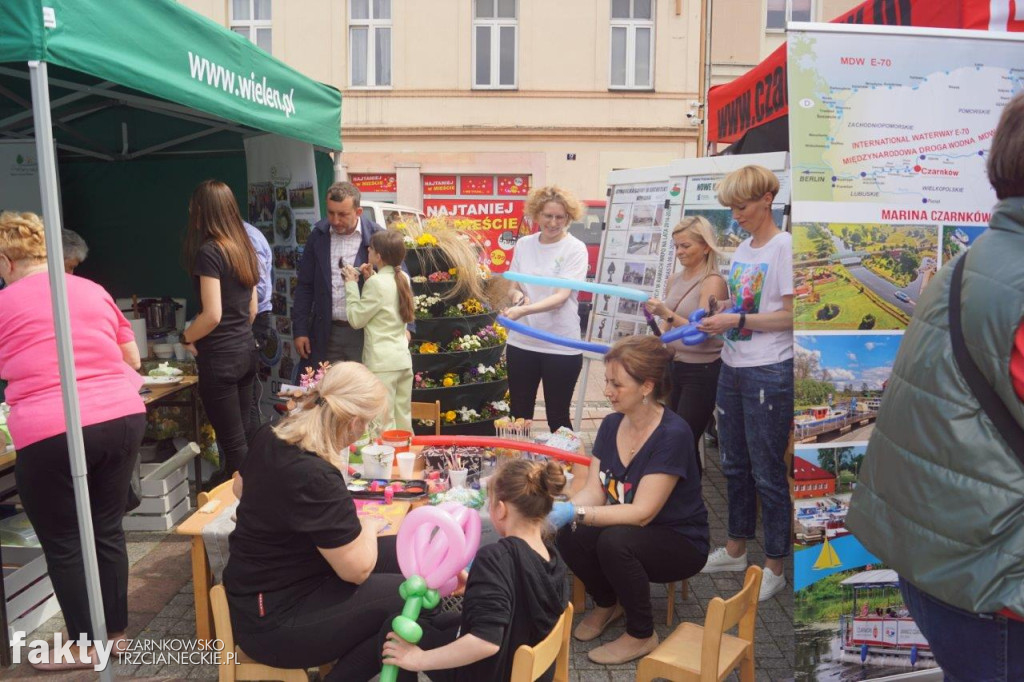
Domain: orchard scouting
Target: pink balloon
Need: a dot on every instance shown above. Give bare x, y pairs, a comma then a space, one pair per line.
445, 550
469, 520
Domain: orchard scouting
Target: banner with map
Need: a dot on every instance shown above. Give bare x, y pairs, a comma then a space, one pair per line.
889, 135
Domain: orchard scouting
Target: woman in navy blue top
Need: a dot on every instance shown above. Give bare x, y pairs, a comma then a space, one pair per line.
640, 517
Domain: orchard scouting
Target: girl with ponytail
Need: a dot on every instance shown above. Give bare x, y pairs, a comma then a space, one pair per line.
383, 308
515, 593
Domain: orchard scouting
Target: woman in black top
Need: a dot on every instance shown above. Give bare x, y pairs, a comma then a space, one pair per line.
224, 269
640, 517
515, 594
307, 579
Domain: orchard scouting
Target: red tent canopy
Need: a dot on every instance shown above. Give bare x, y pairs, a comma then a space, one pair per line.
760, 95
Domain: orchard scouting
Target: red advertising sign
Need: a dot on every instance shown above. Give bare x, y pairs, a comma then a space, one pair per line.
476, 185
495, 222
513, 185
374, 182
439, 184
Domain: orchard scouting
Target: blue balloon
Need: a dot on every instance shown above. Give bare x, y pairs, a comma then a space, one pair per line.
863, 652
527, 330
592, 287
689, 333
913, 655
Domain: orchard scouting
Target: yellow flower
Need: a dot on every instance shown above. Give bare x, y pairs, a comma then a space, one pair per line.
448, 382
426, 240
453, 271
449, 416
428, 347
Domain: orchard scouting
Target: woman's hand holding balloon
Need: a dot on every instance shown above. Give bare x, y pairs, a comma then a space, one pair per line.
656, 307
719, 324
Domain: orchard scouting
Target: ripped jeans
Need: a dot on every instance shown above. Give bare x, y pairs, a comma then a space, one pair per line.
755, 413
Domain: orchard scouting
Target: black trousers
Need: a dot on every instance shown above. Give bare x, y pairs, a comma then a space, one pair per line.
43, 474
225, 387
331, 621
526, 370
619, 563
694, 387
363, 663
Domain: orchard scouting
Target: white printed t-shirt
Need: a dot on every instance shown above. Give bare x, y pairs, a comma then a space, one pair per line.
565, 258
758, 279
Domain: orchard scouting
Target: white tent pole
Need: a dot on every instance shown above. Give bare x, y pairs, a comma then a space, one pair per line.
65, 354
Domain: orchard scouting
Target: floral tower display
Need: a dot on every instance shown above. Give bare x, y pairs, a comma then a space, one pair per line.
457, 348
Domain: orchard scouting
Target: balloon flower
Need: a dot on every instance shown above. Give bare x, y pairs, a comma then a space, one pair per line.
434, 544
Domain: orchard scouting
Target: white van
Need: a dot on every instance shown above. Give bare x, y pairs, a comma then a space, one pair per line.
387, 214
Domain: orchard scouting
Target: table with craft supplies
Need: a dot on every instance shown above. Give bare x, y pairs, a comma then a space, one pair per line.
212, 523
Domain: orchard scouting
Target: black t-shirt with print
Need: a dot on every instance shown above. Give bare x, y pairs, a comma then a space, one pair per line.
669, 450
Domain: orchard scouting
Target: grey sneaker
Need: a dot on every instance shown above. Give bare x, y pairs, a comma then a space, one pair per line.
719, 560
771, 584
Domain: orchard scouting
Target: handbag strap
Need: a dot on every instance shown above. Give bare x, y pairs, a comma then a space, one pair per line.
990, 401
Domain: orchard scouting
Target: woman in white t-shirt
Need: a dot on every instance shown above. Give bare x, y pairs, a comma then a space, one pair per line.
550, 252
755, 386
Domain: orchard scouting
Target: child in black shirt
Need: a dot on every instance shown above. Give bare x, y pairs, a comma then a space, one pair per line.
515, 593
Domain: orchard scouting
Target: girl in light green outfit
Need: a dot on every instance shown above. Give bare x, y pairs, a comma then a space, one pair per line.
383, 308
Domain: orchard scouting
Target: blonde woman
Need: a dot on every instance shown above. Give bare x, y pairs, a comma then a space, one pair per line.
382, 309
552, 251
755, 387
308, 579
694, 368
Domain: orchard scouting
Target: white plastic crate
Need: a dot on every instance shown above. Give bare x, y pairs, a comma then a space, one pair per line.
30, 599
164, 495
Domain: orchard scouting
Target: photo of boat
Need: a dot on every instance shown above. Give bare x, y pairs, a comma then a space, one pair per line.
820, 415
880, 630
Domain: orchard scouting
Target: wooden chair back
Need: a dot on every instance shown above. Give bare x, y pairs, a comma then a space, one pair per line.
531, 662
724, 614
430, 411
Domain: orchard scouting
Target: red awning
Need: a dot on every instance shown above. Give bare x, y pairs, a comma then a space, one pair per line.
760, 95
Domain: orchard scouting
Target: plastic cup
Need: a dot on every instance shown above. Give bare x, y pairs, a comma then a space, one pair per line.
406, 464
457, 478
179, 352
398, 439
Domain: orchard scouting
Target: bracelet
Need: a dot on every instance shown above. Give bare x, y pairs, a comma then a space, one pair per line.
581, 514
743, 320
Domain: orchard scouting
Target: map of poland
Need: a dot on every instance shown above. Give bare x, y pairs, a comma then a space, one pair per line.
904, 122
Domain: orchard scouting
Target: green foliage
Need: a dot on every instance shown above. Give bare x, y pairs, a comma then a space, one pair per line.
811, 392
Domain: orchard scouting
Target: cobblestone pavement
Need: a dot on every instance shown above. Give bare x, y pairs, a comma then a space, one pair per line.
161, 606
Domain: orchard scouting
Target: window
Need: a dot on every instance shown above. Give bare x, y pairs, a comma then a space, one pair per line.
632, 58
495, 43
775, 19
251, 18
369, 38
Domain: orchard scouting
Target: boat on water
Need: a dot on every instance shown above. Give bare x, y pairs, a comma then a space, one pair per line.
814, 524
819, 415
883, 635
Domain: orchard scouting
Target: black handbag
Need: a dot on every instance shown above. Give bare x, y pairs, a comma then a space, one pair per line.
990, 401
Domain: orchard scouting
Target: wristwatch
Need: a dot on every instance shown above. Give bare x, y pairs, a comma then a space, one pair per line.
182, 340
581, 514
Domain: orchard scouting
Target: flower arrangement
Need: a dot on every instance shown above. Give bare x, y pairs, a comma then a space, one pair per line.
444, 275
467, 342
470, 306
428, 305
311, 377
418, 279
484, 373
426, 240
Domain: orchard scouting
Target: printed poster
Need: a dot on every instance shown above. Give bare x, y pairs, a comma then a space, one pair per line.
889, 136
284, 205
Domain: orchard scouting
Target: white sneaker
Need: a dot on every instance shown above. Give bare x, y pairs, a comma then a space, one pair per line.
771, 584
720, 560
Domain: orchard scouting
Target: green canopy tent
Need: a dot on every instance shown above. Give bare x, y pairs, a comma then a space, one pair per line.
128, 81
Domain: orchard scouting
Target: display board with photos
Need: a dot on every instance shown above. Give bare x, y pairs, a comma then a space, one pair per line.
886, 192
646, 204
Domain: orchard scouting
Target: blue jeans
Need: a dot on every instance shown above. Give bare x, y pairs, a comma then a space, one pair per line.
755, 412
970, 647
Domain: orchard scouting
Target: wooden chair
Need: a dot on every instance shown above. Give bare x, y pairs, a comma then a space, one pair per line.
579, 597
243, 667
531, 662
428, 411
707, 654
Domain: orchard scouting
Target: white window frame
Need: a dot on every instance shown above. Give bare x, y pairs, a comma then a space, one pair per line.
788, 16
371, 25
496, 24
631, 25
252, 23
